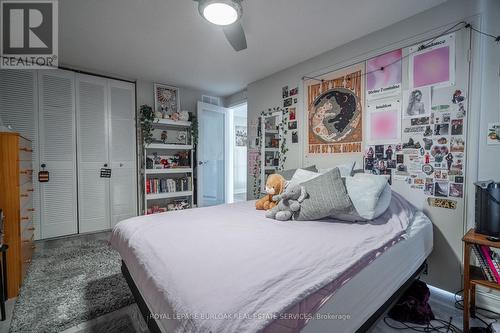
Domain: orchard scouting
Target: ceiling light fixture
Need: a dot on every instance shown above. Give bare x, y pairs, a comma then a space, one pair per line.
220, 12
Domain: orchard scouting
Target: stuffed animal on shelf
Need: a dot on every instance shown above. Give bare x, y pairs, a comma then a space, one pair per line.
275, 185
289, 203
184, 115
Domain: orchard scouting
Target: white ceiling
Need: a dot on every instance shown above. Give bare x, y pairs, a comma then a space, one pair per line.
167, 40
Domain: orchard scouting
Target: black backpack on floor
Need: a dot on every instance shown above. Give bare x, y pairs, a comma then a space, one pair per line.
413, 306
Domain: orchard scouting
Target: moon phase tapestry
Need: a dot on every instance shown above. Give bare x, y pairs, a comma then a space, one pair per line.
335, 108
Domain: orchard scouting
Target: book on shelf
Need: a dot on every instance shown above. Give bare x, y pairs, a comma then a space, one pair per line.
164, 185
485, 250
482, 263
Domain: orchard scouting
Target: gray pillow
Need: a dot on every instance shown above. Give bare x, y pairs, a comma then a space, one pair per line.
288, 174
326, 195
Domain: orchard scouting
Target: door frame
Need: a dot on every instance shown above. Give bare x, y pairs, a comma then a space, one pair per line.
228, 155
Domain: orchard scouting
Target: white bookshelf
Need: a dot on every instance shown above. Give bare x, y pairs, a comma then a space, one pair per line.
169, 146
168, 195
171, 170
269, 132
162, 199
171, 123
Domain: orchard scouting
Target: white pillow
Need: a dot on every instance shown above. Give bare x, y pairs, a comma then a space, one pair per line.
345, 169
370, 194
301, 176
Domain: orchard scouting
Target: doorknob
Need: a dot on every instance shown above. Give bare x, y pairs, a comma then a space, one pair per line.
105, 165
202, 162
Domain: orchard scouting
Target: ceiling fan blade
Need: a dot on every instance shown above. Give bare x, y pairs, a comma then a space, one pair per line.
235, 36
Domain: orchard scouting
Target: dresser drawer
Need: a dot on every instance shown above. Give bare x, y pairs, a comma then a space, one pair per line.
25, 173
27, 235
26, 196
25, 154
25, 218
24, 143
27, 249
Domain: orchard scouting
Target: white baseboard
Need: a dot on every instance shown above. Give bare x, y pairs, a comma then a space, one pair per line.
488, 299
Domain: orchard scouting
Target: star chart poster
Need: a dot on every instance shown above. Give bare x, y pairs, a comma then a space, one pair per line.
335, 112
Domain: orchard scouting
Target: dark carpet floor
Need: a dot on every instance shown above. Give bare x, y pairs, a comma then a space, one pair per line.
70, 281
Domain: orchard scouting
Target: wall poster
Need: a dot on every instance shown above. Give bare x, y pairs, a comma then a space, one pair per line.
383, 75
435, 64
384, 121
335, 107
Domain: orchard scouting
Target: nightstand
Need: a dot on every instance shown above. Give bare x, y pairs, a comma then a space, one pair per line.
473, 275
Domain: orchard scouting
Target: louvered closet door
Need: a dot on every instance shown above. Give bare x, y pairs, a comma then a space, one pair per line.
92, 148
19, 109
122, 150
57, 150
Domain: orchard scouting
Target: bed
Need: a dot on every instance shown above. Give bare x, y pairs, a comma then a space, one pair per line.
228, 268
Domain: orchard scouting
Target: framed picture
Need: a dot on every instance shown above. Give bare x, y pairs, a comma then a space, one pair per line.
167, 99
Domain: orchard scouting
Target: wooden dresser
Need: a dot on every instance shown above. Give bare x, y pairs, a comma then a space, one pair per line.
16, 201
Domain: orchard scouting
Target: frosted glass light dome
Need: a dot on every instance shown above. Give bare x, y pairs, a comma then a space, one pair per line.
221, 12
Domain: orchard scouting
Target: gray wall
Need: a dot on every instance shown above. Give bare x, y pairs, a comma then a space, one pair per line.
236, 98
484, 100
189, 97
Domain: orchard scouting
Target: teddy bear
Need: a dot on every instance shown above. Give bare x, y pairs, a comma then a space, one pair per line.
289, 203
275, 185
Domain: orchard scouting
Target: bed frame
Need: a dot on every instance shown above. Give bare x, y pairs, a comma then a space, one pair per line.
154, 328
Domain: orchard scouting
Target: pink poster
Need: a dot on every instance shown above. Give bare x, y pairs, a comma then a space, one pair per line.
383, 76
384, 119
434, 65
431, 67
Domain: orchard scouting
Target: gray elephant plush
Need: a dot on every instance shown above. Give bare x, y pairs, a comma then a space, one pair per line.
289, 203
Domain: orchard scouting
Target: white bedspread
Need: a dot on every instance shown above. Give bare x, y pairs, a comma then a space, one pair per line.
231, 264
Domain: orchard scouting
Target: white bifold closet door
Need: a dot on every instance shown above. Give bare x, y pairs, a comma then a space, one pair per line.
122, 150
106, 139
92, 147
56, 118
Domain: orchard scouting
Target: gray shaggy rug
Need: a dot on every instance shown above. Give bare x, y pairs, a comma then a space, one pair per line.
68, 284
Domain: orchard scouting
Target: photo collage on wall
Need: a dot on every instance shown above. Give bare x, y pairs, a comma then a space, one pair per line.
429, 154
290, 102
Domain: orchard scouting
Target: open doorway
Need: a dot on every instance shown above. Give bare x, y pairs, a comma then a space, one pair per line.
240, 152
221, 154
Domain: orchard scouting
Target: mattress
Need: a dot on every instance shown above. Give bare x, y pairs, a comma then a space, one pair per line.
356, 301
231, 260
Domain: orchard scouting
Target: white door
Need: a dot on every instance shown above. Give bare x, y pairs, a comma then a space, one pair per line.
122, 150
58, 197
211, 154
21, 113
92, 147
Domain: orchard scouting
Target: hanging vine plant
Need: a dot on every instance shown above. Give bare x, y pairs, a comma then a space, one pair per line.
194, 130
147, 117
